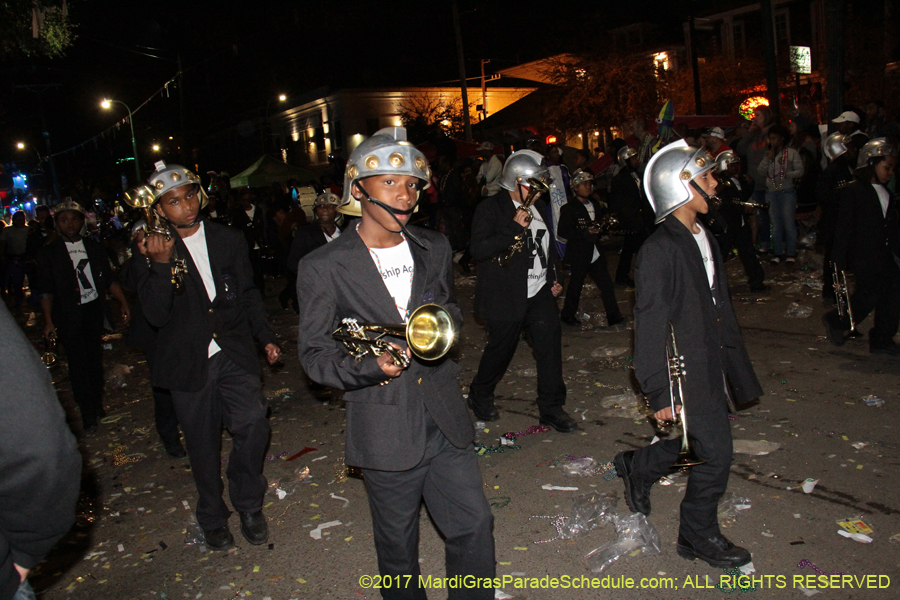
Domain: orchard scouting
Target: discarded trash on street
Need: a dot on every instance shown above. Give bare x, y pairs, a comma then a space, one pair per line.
589, 511
873, 401
798, 311
809, 485
634, 535
604, 351
730, 505
755, 447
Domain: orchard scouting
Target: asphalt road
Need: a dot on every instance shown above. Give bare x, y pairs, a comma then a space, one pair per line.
136, 505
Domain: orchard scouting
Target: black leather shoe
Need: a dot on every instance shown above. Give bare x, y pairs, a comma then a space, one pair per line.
717, 551
218, 539
637, 498
613, 321
571, 321
760, 288
174, 448
833, 331
483, 412
559, 421
254, 527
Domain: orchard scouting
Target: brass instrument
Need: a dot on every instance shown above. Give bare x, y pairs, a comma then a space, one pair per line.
677, 372
842, 295
142, 197
603, 224
429, 332
49, 357
536, 187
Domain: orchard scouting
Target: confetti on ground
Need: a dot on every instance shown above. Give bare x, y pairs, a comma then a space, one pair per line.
316, 533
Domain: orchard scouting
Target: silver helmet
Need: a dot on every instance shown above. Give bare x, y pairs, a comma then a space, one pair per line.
873, 149
668, 176
385, 153
835, 145
726, 159
578, 177
625, 153
522, 166
166, 178
327, 199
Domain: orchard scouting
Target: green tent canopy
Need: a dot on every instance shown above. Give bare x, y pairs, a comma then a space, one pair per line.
268, 170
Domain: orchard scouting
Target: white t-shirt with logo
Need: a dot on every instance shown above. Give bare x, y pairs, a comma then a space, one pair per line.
537, 245
83, 273
196, 245
706, 252
397, 268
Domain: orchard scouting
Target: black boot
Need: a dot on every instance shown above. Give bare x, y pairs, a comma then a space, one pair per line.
717, 551
254, 527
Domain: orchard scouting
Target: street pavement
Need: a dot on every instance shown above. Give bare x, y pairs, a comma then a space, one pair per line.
135, 539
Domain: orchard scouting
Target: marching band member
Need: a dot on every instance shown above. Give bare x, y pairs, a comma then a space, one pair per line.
867, 242
520, 295
628, 200
843, 153
204, 351
407, 427
578, 224
682, 284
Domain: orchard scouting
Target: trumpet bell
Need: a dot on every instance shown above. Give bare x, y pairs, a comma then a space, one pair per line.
49, 359
430, 332
686, 458
139, 197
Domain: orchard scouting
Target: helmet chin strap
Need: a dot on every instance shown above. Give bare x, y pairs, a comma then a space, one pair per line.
392, 212
713, 201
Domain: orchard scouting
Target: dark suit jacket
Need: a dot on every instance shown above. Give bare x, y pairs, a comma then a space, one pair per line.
501, 292
579, 243
306, 239
672, 287
255, 230
385, 424
630, 203
186, 323
56, 277
829, 187
864, 239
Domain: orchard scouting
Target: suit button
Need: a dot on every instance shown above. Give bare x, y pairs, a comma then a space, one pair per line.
214, 335
211, 310
719, 320
720, 347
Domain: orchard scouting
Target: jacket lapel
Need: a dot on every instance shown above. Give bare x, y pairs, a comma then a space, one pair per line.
420, 277
370, 281
193, 274
686, 240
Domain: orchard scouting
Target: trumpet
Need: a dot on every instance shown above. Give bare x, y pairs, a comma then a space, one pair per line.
429, 332
142, 197
677, 373
842, 295
603, 224
536, 187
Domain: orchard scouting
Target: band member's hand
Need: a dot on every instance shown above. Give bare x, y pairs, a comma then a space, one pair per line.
556, 289
49, 332
273, 353
158, 248
521, 217
664, 416
23, 573
594, 230
770, 153
387, 364
126, 314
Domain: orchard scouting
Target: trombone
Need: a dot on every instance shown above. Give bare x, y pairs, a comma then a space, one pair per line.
842, 295
49, 357
142, 197
536, 186
677, 372
429, 332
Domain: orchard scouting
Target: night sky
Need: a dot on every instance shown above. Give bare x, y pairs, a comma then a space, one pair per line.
237, 56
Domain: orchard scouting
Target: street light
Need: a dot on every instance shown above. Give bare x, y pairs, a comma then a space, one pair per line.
20, 146
281, 98
156, 147
107, 103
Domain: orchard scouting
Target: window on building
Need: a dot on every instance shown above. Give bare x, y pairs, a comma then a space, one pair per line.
782, 27
337, 136
737, 33
372, 126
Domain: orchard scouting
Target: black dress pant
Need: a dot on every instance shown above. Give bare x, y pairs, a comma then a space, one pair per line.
449, 480
631, 245
231, 397
740, 236
81, 332
165, 417
710, 438
542, 326
879, 292
600, 274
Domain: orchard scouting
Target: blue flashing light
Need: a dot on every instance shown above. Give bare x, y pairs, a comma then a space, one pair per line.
28, 205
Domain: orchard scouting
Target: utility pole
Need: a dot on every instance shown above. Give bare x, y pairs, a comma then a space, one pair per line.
484, 106
695, 65
768, 40
467, 126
